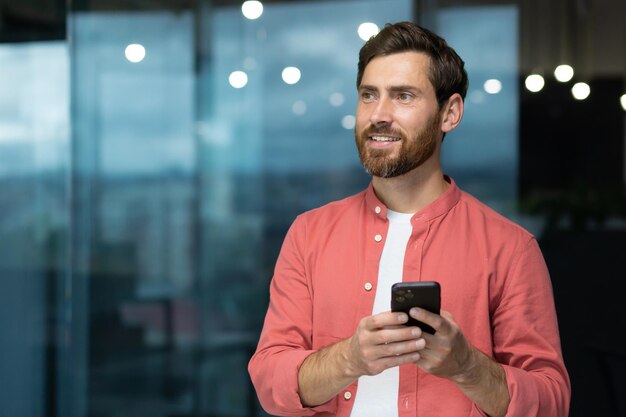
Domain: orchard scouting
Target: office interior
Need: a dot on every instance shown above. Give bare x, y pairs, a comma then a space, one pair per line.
153, 154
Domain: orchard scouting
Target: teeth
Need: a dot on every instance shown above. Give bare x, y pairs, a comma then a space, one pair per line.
384, 139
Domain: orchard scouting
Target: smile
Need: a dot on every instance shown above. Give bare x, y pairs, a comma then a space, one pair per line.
384, 138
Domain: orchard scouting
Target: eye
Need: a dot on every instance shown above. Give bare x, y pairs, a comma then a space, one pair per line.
367, 96
405, 97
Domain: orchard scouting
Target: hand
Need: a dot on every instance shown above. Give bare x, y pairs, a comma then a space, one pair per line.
447, 353
381, 342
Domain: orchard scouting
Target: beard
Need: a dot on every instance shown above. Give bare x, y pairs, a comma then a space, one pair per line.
414, 151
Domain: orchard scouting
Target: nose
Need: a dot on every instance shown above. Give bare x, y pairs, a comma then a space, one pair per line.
382, 112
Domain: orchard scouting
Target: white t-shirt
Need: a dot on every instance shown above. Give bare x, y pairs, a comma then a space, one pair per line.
377, 395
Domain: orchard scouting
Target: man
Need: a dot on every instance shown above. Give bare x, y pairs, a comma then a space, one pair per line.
331, 347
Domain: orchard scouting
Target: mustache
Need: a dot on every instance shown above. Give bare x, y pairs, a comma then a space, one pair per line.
383, 130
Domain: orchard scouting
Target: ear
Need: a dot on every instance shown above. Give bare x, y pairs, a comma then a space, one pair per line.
452, 113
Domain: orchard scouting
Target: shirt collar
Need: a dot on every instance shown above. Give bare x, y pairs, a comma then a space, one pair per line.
440, 206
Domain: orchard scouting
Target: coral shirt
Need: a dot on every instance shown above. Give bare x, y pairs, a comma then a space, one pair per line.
493, 280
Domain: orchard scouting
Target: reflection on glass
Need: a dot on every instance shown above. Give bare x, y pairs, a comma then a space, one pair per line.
291, 75
336, 99
299, 107
492, 86
238, 79
348, 122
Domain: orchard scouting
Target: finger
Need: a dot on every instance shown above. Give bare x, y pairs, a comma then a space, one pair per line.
393, 361
441, 340
398, 348
431, 340
428, 361
435, 321
387, 318
448, 316
396, 334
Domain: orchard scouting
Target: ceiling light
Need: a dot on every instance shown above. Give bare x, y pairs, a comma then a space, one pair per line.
299, 108
492, 86
581, 91
238, 79
564, 73
367, 30
252, 9
291, 75
336, 99
534, 83
348, 122
135, 53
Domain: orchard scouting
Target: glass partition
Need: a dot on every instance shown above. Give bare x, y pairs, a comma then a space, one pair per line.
483, 152
185, 181
34, 163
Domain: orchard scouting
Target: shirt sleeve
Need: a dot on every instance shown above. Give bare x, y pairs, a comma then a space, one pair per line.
526, 340
286, 339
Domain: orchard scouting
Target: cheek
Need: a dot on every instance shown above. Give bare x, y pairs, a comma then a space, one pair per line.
361, 114
361, 122
410, 120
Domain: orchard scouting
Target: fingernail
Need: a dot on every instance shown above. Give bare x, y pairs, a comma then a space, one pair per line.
416, 331
402, 318
415, 310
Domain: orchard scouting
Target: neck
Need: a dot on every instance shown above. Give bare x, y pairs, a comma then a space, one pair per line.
411, 192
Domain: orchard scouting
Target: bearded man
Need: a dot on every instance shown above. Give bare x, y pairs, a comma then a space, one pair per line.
331, 347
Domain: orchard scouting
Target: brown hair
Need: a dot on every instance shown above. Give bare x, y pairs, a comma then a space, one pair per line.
447, 72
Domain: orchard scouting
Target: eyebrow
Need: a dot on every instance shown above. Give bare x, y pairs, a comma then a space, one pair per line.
394, 88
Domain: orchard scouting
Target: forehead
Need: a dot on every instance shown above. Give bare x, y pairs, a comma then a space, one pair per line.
404, 68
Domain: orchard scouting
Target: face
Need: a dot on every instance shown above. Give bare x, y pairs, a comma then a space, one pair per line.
398, 123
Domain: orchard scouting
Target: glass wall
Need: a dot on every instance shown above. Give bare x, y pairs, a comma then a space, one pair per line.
34, 207
184, 183
482, 153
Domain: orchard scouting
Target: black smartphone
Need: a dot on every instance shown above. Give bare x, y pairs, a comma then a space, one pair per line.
426, 295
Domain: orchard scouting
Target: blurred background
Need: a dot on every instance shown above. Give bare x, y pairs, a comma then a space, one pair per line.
153, 154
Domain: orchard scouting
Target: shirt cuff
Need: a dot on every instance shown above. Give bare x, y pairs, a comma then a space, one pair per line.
523, 392
523, 397
286, 379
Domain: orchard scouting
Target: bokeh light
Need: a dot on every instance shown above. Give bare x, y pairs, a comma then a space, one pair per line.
534, 83
135, 52
238, 79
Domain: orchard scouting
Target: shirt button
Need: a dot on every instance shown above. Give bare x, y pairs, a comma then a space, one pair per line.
377, 209
347, 395
378, 238
368, 286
